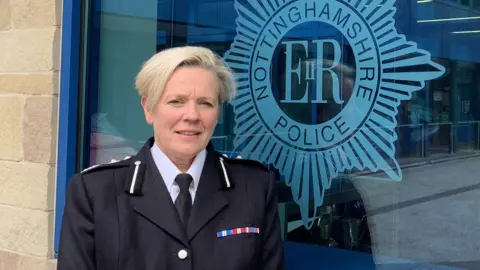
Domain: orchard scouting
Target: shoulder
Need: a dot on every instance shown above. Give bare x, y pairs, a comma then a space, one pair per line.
101, 177
112, 165
240, 162
253, 175
250, 172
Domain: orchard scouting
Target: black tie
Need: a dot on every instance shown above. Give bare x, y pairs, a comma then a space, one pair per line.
183, 203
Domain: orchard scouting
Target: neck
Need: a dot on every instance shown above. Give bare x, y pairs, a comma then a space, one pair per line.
182, 164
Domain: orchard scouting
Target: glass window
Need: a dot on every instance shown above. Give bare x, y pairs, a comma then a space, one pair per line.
476, 4
368, 113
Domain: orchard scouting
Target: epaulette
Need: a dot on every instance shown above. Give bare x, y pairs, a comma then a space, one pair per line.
240, 160
112, 164
225, 163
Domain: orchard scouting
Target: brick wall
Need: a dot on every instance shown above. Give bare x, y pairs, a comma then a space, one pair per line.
29, 63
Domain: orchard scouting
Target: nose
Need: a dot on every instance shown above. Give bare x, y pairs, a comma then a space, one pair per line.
191, 113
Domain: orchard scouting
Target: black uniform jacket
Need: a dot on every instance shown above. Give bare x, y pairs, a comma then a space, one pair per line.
121, 216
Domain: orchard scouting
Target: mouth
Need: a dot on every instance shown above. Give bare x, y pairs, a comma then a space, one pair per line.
188, 133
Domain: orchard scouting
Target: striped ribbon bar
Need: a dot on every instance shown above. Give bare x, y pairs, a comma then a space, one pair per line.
238, 231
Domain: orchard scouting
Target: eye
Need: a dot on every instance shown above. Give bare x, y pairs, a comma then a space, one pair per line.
206, 103
175, 102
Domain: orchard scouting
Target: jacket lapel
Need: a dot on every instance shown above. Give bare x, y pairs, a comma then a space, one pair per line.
156, 203
210, 199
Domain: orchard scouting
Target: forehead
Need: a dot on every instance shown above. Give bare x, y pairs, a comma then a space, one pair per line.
192, 81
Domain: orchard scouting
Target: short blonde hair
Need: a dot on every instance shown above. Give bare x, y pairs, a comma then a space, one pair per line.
155, 73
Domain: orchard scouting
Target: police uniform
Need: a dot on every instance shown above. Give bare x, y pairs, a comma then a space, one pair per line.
122, 216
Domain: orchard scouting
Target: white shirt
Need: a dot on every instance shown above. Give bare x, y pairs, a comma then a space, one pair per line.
169, 171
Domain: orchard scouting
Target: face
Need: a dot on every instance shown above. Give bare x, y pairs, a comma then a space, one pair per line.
186, 115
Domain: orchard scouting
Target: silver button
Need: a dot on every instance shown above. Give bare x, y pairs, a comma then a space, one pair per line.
182, 254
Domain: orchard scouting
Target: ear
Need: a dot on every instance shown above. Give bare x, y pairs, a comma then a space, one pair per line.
148, 114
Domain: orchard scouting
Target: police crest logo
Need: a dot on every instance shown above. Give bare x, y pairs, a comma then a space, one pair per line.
317, 105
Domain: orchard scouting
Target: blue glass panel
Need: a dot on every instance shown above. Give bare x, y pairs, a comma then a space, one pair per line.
366, 109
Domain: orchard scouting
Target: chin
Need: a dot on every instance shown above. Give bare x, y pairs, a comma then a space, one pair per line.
189, 152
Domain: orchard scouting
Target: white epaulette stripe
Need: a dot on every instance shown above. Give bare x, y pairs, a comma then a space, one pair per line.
96, 165
89, 168
227, 181
134, 180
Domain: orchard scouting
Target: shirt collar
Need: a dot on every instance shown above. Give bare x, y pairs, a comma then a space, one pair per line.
169, 170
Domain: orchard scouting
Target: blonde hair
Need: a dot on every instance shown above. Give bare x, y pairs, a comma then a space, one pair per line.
155, 73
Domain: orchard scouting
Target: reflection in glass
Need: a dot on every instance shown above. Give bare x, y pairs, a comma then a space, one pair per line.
425, 218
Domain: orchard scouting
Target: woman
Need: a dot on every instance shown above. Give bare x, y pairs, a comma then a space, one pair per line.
177, 204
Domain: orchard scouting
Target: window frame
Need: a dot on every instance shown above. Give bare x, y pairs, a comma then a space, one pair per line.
68, 108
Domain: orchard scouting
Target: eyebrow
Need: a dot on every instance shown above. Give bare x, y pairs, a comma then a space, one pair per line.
184, 96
